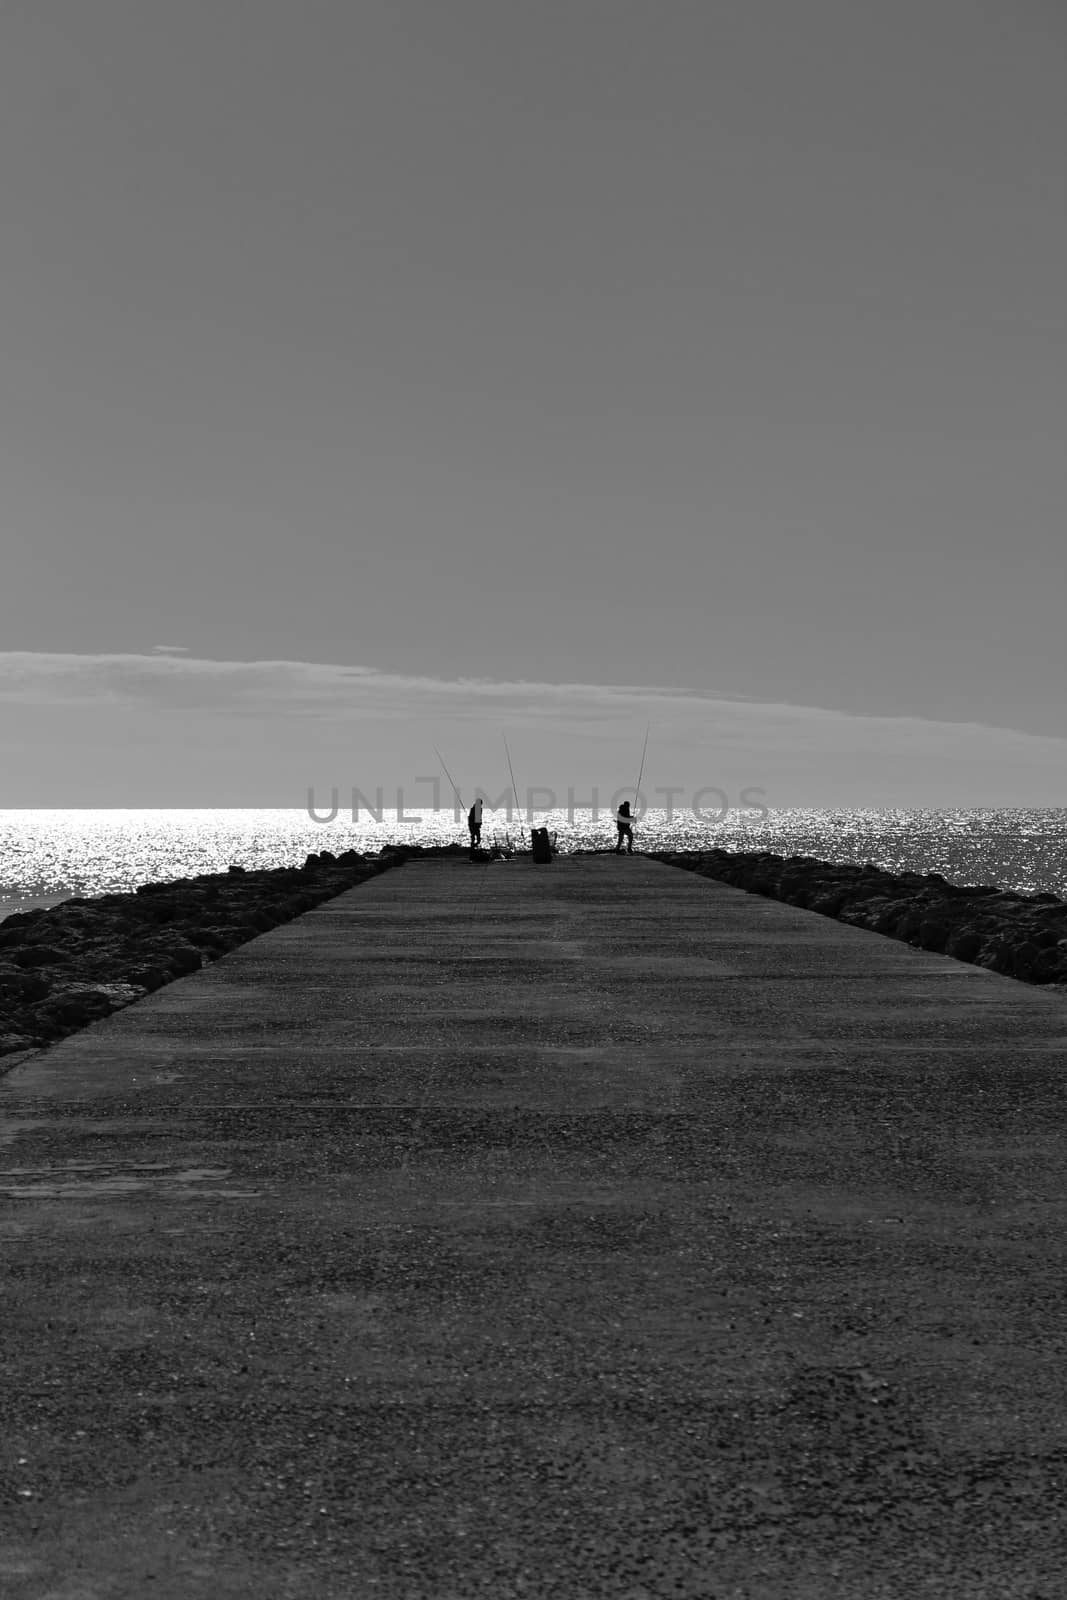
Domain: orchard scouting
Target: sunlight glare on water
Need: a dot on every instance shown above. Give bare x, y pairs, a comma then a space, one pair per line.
47, 856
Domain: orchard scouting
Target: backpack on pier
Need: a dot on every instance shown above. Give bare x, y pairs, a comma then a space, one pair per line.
541, 845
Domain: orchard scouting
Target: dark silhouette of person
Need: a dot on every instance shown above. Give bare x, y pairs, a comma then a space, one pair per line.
625, 824
474, 823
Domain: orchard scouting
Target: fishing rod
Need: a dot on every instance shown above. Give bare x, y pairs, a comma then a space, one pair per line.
448, 775
640, 775
511, 770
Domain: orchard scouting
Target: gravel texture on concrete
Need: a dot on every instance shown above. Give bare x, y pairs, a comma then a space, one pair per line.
64, 966
586, 1230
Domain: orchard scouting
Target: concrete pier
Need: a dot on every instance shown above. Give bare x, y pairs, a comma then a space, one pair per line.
591, 1231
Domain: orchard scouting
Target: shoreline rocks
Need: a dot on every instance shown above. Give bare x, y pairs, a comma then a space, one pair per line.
1022, 936
64, 966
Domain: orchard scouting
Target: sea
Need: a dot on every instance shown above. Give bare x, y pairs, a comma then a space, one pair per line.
47, 856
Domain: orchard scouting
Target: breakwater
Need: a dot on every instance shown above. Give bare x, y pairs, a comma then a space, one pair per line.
1022, 936
68, 965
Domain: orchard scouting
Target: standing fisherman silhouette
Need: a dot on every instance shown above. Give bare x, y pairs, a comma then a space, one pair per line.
474, 824
624, 818
474, 815
625, 824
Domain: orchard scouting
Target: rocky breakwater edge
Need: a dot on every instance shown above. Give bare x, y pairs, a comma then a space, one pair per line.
1023, 936
64, 967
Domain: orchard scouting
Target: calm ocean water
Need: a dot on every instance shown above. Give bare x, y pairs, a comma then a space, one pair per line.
46, 856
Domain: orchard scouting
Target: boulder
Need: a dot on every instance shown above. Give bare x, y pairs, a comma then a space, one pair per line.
933, 933
23, 919
38, 955
71, 1008
23, 987
891, 916
1024, 959
10, 1042
1050, 966
148, 977
182, 958
964, 943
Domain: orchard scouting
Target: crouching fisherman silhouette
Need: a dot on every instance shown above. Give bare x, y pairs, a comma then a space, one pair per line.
624, 822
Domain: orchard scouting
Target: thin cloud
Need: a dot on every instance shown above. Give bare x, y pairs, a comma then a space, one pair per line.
220, 732
169, 680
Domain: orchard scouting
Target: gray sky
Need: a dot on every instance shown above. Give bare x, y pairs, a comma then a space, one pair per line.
709, 347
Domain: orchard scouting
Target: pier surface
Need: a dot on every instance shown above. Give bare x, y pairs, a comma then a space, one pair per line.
591, 1231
